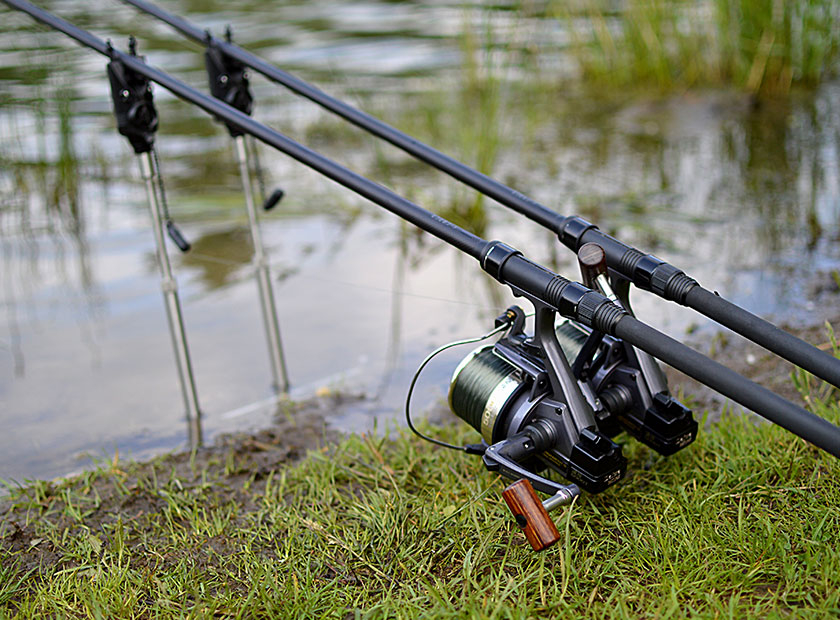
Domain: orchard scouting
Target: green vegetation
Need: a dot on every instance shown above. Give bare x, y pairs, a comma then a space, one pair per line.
742, 523
762, 46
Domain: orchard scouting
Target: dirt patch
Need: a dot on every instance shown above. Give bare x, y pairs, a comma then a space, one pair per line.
236, 466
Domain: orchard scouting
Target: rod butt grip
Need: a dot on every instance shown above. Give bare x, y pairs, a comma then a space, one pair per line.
531, 515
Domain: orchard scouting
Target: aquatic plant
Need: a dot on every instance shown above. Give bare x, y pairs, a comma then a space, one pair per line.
761, 46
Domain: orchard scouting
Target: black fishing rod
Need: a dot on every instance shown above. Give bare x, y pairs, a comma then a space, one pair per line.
544, 288
646, 271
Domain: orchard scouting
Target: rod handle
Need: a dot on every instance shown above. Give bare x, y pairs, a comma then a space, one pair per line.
531, 515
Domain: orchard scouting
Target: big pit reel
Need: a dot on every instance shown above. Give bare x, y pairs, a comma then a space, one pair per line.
553, 400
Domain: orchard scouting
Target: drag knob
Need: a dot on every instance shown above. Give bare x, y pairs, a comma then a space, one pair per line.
531, 515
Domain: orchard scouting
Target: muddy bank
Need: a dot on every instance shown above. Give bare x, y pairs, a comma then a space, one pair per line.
752, 361
237, 467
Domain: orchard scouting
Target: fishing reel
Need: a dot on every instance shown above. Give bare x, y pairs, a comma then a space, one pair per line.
521, 395
554, 399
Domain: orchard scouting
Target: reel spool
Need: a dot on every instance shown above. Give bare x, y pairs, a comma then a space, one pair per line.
482, 386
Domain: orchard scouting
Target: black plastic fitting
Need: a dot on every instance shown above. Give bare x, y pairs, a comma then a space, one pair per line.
228, 82
495, 256
134, 106
646, 271
571, 231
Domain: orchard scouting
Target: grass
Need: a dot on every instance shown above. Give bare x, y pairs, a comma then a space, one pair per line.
761, 46
742, 523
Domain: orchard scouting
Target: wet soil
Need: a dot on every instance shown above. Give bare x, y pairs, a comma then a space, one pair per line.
237, 465
752, 361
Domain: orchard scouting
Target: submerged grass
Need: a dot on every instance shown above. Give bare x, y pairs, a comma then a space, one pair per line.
742, 523
761, 46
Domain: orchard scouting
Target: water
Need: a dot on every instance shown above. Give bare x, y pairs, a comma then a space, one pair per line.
747, 200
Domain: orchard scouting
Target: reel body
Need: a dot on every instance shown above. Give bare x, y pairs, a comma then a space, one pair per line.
501, 390
504, 391
628, 397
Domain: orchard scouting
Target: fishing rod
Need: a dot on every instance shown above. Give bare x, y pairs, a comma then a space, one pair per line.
626, 264
533, 412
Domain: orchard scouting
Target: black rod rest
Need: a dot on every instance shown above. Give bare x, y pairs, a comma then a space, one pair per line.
228, 80
506, 264
134, 106
644, 270
137, 120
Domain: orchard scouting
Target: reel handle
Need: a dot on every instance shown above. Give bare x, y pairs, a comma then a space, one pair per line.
531, 515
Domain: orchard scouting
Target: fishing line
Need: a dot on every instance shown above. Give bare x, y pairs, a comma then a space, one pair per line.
429, 357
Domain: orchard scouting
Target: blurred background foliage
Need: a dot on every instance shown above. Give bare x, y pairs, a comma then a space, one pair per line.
765, 47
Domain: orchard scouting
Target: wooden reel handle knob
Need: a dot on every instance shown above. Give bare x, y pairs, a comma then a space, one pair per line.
531, 515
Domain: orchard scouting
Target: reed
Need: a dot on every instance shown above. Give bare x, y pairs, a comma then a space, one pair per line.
764, 47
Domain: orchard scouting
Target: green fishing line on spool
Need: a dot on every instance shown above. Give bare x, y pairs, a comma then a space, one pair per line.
483, 384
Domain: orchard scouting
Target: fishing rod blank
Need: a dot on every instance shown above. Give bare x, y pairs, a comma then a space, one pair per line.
504, 263
644, 270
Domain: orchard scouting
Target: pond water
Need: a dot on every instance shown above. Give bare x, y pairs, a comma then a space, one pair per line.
744, 197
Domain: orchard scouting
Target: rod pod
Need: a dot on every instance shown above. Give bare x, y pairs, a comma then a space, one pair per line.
137, 120
229, 83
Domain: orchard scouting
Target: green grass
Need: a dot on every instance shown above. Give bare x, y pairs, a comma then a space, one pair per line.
742, 523
761, 46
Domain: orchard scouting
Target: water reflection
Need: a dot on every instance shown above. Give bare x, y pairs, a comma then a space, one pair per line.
218, 257
721, 163
745, 197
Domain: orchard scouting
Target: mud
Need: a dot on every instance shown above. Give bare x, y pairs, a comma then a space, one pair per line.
236, 465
